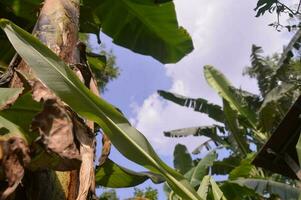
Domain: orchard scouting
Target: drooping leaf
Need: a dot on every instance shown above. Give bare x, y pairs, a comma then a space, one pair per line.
114, 176
206, 144
219, 83
262, 187
143, 26
200, 105
56, 75
201, 168
182, 159
211, 132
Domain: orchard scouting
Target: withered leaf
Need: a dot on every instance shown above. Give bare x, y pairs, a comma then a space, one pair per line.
55, 126
14, 157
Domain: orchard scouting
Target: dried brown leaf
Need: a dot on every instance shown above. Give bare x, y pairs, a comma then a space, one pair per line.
56, 129
106, 149
87, 146
41, 93
15, 153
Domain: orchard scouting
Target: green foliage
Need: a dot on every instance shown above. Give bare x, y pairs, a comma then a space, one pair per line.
108, 195
279, 8
105, 70
182, 159
102, 63
220, 84
248, 119
264, 187
114, 176
148, 193
57, 76
142, 26
150, 27
202, 168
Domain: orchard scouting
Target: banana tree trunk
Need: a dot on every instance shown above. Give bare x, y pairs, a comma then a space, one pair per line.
57, 27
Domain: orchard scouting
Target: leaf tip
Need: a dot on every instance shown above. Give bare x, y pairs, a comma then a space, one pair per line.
208, 66
3, 22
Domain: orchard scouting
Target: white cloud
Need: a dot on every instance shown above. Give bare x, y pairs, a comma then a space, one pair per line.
222, 32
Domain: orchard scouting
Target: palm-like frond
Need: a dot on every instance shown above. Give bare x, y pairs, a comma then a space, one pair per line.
200, 105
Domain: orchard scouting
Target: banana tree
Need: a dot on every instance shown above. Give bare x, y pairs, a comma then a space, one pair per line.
246, 120
51, 103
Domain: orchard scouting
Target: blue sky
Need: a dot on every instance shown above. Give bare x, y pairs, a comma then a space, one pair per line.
222, 32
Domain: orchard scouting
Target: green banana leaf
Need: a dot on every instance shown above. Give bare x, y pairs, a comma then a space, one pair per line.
9, 129
22, 111
235, 130
143, 26
225, 166
182, 159
216, 191
208, 131
222, 86
8, 96
55, 74
204, 187
234, 191
244, 169
262, 187
200, 105
114, 176
271, 106
201, 168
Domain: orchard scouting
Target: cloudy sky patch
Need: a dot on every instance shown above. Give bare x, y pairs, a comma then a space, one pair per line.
222, 32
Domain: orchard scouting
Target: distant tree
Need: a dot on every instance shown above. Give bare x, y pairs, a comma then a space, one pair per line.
147, 193
109, 195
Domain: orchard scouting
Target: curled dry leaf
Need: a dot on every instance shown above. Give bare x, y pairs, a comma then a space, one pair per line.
87, 145
64, 133
106, 148
40, 92
14, 157
54, 124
